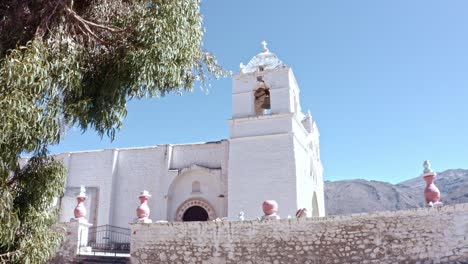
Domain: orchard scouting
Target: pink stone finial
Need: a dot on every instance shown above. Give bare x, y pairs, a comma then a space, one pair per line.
80, 209
270, 208
431, 192
143, 210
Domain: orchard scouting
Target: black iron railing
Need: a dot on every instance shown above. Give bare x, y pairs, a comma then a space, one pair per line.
106, 238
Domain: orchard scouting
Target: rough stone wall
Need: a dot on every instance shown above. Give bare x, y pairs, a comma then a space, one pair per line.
428, 235
67, 251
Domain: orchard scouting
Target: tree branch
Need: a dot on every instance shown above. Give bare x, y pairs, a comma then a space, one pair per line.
87, 31
41, 29
14, 178
89, 23
8, 255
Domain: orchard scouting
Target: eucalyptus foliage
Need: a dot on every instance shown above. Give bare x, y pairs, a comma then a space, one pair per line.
77, 62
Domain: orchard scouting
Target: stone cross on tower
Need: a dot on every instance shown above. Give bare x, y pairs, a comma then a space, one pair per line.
264, 46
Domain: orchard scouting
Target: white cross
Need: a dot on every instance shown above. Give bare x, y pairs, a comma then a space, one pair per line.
264, 45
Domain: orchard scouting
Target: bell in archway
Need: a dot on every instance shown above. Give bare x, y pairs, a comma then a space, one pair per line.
266, 101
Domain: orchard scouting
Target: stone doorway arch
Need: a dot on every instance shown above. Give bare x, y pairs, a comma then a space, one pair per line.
193, 203
195, 213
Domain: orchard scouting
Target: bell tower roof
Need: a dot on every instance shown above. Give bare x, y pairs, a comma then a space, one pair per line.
264, 60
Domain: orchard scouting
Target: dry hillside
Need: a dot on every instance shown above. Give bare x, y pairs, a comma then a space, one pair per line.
358, 196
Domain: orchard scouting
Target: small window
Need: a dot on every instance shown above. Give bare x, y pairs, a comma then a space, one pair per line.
262, 101
196, 187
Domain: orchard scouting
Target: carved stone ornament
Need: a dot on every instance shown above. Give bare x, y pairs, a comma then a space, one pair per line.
431, 192
240, 217
143, 210
265, 60
80, 209
270, 208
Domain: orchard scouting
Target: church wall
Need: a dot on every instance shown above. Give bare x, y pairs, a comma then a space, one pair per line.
280, 100
243, 87
242, 104
261, 168
275, 78
203, 162
138, 169
92, 169
204, 154
426, 235
260, 125
304, 181
210, 188
114, 178
317, 167
283, 87
308, 182
243, 83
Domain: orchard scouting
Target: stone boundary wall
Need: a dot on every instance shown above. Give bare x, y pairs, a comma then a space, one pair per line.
68, 249
426, 235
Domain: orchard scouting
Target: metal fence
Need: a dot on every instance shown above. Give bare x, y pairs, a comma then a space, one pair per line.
107, 239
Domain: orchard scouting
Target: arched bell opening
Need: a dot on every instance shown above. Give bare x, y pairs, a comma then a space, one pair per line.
262, 103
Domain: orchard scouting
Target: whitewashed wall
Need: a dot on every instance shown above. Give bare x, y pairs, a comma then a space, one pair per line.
261, 168
271, 156
93, 169
137, 170
116, 177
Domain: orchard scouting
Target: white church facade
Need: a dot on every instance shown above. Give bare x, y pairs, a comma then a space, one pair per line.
272, 153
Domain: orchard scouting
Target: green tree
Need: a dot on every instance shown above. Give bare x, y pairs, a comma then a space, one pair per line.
77, 62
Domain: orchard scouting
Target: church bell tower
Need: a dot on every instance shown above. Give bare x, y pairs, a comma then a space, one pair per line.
273, 147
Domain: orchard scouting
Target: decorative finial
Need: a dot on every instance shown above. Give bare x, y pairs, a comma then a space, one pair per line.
264, 46
143, 210
427, 167
80, 209
270, 208
240, 217
431, 192
241, 67
82, 191
145, 193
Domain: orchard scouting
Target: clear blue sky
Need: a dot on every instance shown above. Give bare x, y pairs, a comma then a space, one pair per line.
386, 81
